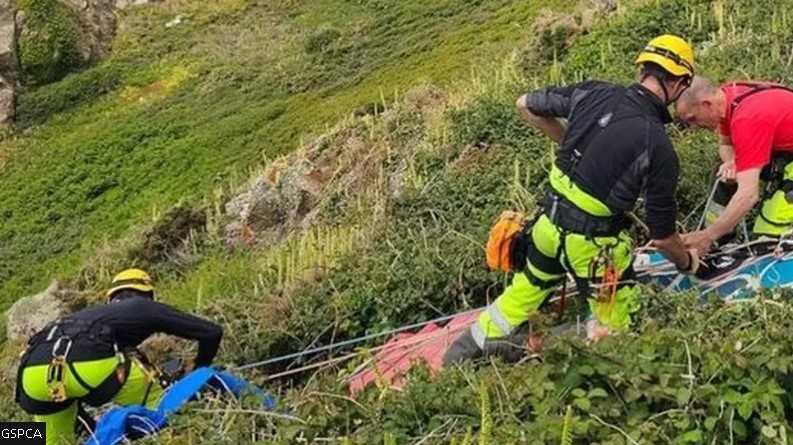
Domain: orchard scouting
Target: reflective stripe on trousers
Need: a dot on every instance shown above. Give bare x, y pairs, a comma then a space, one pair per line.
523, 296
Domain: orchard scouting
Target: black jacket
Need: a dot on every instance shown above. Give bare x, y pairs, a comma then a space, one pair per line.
625, 151
134, 319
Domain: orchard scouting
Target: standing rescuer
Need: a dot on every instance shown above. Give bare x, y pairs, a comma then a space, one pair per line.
91, 355
755, 128
613, 150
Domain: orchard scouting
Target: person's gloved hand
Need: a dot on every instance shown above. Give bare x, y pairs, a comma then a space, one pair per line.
171, 371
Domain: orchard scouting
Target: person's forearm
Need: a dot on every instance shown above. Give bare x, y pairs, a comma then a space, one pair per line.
552, 128
208, 345
740, 204
726, 153
549, 126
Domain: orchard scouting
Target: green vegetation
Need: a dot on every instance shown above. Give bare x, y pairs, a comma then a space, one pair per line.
176, 111
688, 374
48, 41
117, 163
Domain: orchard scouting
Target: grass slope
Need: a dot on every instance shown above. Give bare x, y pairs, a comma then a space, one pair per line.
175, 111
686, 374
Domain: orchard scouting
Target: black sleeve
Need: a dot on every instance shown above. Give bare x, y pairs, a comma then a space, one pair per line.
660, 204
169, 320
557, 101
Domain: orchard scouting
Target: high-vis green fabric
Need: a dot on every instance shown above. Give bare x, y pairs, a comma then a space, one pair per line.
565, 186
60, 425
776, 211
551, 255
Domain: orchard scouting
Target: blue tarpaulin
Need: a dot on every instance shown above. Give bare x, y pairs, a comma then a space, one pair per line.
137, 421
734, 275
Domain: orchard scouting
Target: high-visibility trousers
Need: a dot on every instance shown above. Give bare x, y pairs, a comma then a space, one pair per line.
60, 425
552, 254
776, 210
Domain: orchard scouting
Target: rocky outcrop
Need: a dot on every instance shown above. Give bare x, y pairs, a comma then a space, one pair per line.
124, 4
56, 37
553, 31
98, 21
30, 314
9, 65
350, 164
276, 200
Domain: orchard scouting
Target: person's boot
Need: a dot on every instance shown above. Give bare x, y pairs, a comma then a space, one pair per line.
511, 349
462, 349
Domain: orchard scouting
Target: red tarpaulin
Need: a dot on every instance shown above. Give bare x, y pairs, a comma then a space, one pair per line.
399, 354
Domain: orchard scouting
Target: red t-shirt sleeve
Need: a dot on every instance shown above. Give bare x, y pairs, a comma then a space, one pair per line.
724, 129
751, 138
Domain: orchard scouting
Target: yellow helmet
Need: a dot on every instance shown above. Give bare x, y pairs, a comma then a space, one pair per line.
131, 279
671, 53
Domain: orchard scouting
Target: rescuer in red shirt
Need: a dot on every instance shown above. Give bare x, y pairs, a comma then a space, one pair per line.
754, 122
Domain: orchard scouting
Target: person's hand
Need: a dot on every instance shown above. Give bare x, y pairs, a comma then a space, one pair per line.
700, 241
693, 263
171, 371
726, 172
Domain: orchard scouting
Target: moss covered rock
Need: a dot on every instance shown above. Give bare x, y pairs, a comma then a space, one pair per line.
49, 40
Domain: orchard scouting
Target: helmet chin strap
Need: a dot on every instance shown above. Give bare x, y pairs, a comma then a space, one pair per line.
667, 101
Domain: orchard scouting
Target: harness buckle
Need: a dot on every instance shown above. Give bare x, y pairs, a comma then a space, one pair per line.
56, 348
55, 371
554, 208
58, 392
607, 288
55, 379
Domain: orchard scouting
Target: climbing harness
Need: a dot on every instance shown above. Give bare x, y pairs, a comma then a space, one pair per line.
569, 217
59, 346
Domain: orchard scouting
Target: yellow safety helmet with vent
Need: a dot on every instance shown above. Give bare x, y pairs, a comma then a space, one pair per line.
671, 53
136, 279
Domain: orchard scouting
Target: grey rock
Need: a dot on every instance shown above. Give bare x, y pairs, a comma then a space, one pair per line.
273, 202
30, 314
7, 102
397, 180
9, 65
124, 4
603, 6
175, 21
99, 27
